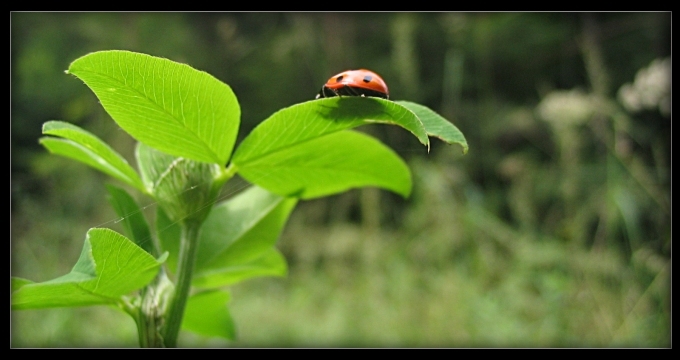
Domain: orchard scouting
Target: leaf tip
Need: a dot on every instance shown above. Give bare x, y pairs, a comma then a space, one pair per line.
465, 147
49, 125
17, 283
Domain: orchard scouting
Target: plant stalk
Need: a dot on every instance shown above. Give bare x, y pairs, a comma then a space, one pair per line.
185, 269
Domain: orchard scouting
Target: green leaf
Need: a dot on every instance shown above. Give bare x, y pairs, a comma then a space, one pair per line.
304, 122
85, 147
169, 233
328, 165
132, 218
436, 125
17, 282
235, 240
109, 267
242, 229
164, 104
271, 263
207, 314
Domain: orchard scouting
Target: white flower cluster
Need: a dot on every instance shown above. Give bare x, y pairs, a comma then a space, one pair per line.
564, 108
651, 89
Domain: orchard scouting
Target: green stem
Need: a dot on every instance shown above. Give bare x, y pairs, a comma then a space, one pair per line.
226, 174
143, 326
185, 269
134, 309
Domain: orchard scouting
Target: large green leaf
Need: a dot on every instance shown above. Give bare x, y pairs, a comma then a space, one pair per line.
436, 125
167, 105
109, 267
304, 122
207, 314
132, 217
327, 165
85, 147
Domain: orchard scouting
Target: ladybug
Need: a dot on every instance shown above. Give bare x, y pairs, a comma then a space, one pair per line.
355, 83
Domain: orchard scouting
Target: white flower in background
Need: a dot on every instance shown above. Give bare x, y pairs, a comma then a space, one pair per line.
564, 108
651, 89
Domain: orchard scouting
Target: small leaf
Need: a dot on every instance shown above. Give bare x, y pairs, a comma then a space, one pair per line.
242, 229
328, 165
236, 241
85, 147
164, 104
207, 314
271, 263
436, 125
310, 120
169, 233
17, 283
109, 267
132, 217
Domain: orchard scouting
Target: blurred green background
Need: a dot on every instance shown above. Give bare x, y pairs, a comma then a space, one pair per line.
553, 231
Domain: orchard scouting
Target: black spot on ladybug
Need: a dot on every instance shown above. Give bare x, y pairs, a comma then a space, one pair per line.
368, 78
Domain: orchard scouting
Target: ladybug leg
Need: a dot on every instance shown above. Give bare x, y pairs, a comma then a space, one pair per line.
352, 90
323, 92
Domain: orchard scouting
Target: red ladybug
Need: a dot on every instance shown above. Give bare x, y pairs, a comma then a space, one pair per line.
355, 83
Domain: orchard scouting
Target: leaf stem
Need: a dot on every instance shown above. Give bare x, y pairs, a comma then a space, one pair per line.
185, 269
226, 174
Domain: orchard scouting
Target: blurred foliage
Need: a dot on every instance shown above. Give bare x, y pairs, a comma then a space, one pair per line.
554, 230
